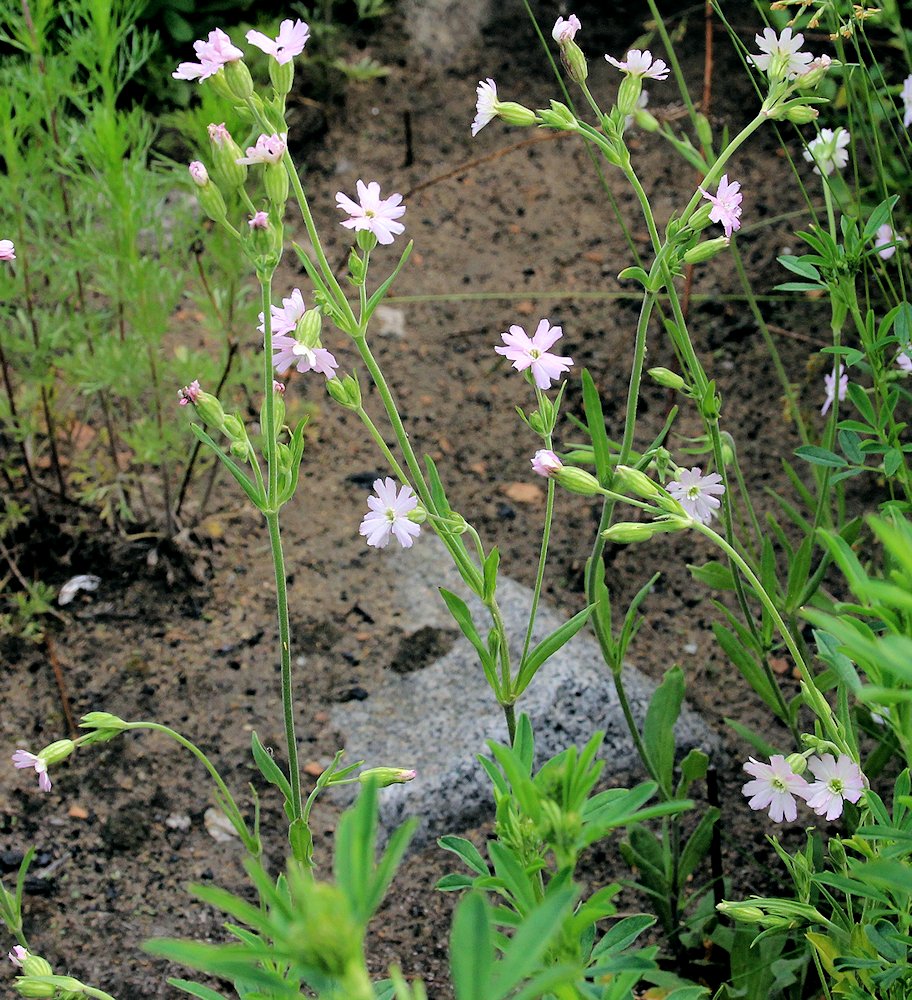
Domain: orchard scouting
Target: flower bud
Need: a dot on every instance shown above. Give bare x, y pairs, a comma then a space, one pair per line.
345, 391
35, 965
240, 449
515, 114
54, 754
546, 463
102, 720
418, 515
307, 330
284, 458
234, 428
281, 75
577, 481
212, 202
356, 268
209, 410
700, 217
814, 73
275, 180
667, 378
634, 481
198, 173
801, 114
574, 61
627, 532
629, 93
26, 987
559, 117
386, 776
706, 250
366, 241
797, 762
742, 911
237, 76
228, 173
646, 121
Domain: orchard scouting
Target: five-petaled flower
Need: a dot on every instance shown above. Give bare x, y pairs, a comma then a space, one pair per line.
268, 149
533, 352
18, 955
485, 104
189, 393
565, 29
7, 250
779, 54
726, 204
828, 151
289, 43
546, 463
775, 786
285, 317
698, 494
289, 352
829, 385
388, 515
22, 758
213, 54
640, 63
373, 213
838, 781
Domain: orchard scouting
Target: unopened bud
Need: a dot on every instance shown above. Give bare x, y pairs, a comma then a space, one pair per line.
815, 72
198, 173
35, 965
797, 762
417, 515
307, 330
275, 180
700, 217
345, 391
55, 753
209, 410
706, 250
515, 114
366, 241
284, 457
667, 378
742, 911
234, 428
26, 987
627, 532
577, 481
237, 76
212, 202
634, 481
801, 114
574, 61
355, 268
240, 449
386, 776
646, 121
228, 173
559, 117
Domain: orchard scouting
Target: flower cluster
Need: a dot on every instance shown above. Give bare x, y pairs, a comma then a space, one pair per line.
775, 786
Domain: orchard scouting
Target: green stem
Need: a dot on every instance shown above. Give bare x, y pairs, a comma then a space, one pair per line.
272, 470
294, 774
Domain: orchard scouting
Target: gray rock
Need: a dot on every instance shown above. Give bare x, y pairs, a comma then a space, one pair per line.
442, 30
438, 719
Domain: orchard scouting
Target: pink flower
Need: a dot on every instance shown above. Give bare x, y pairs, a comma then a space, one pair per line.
189, 393
199, 173
698, 494
887, 239
904, 362
641, 64
285, 318
838, 781
526, 352
829, 384
278, 387
290, 42
22, 758
218, 134
291, 353
373, 213
268, 149
907, 101
388, 515
726, 204
7, 250
779, 55
485, 105
546, 463
18, 955
260, 220
565, 30
828, 151
775, 786
213, 54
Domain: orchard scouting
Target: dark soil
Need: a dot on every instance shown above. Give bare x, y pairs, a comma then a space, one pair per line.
518, 223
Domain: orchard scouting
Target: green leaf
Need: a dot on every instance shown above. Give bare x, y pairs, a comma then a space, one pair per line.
489, 573
465, 850
658, 726
798, 286
463, 618
595, 421
548, 647
744, 659
861, 401
892, 462
878, 217
634, 274
799, 266
821, 456
455, 882
268, 767
754, 739
622, 934
383, 288
697, 846
246, 485
471, 949
713, 574
196, 990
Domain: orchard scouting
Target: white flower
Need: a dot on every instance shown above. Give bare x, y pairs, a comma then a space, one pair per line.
838, 781
268, 149
565, 30
779, 55
829, 385
775, 786
828, 151
886, 240
485, 104
388, 515
907, 101
640, 63
698, 494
